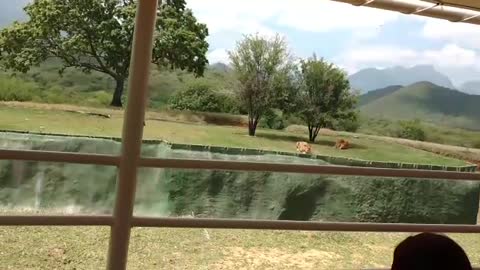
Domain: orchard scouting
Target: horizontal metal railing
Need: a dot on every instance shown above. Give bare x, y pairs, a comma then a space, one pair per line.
110, 160
49, 220
64, 157
302, 168
299, 225
217, 223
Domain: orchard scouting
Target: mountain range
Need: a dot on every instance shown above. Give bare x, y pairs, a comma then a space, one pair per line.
425, 101
369, 79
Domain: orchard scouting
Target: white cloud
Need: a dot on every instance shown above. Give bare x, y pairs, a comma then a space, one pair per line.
459, 33
322, 16
374, 56
449, 56
238, 16
249, 16
218, 55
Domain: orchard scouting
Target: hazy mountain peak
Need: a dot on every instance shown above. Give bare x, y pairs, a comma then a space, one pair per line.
423, 84
220, 67
369, 79
424, 67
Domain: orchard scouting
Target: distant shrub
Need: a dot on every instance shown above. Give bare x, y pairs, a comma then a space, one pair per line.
202, 97
349, 124
12, 89
224, 119
54, 95
412, 130
197, 97
20, 94
272, 119
102, 97
476, 144
292, 119
97, 98
229, 104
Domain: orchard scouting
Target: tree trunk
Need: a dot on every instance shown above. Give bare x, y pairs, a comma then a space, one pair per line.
252, 125
311, 136
117, 95
312, 133
251, 130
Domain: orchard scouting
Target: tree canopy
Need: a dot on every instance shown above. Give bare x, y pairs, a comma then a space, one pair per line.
259, 62
96, 35
324, 95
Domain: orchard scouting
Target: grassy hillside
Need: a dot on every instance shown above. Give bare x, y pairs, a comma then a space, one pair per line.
434, 133
376, 94
45, 84
430, 103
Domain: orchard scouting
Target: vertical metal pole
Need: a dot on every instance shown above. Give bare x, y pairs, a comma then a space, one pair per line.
132, 133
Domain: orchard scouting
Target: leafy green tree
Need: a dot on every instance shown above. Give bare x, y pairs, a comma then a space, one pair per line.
324, 95
259, 62
96, 35
273, 119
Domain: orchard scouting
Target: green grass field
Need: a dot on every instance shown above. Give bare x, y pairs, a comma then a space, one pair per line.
86, 248
58, 121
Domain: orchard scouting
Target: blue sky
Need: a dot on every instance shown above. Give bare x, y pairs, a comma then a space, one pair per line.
351, 37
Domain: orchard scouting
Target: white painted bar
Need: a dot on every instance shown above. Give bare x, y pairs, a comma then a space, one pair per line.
307, 169
132, 133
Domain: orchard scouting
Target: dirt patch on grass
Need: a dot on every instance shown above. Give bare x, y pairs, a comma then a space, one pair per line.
275, 258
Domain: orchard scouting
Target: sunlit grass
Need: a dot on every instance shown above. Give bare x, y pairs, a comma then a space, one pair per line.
86, 248
54, 119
